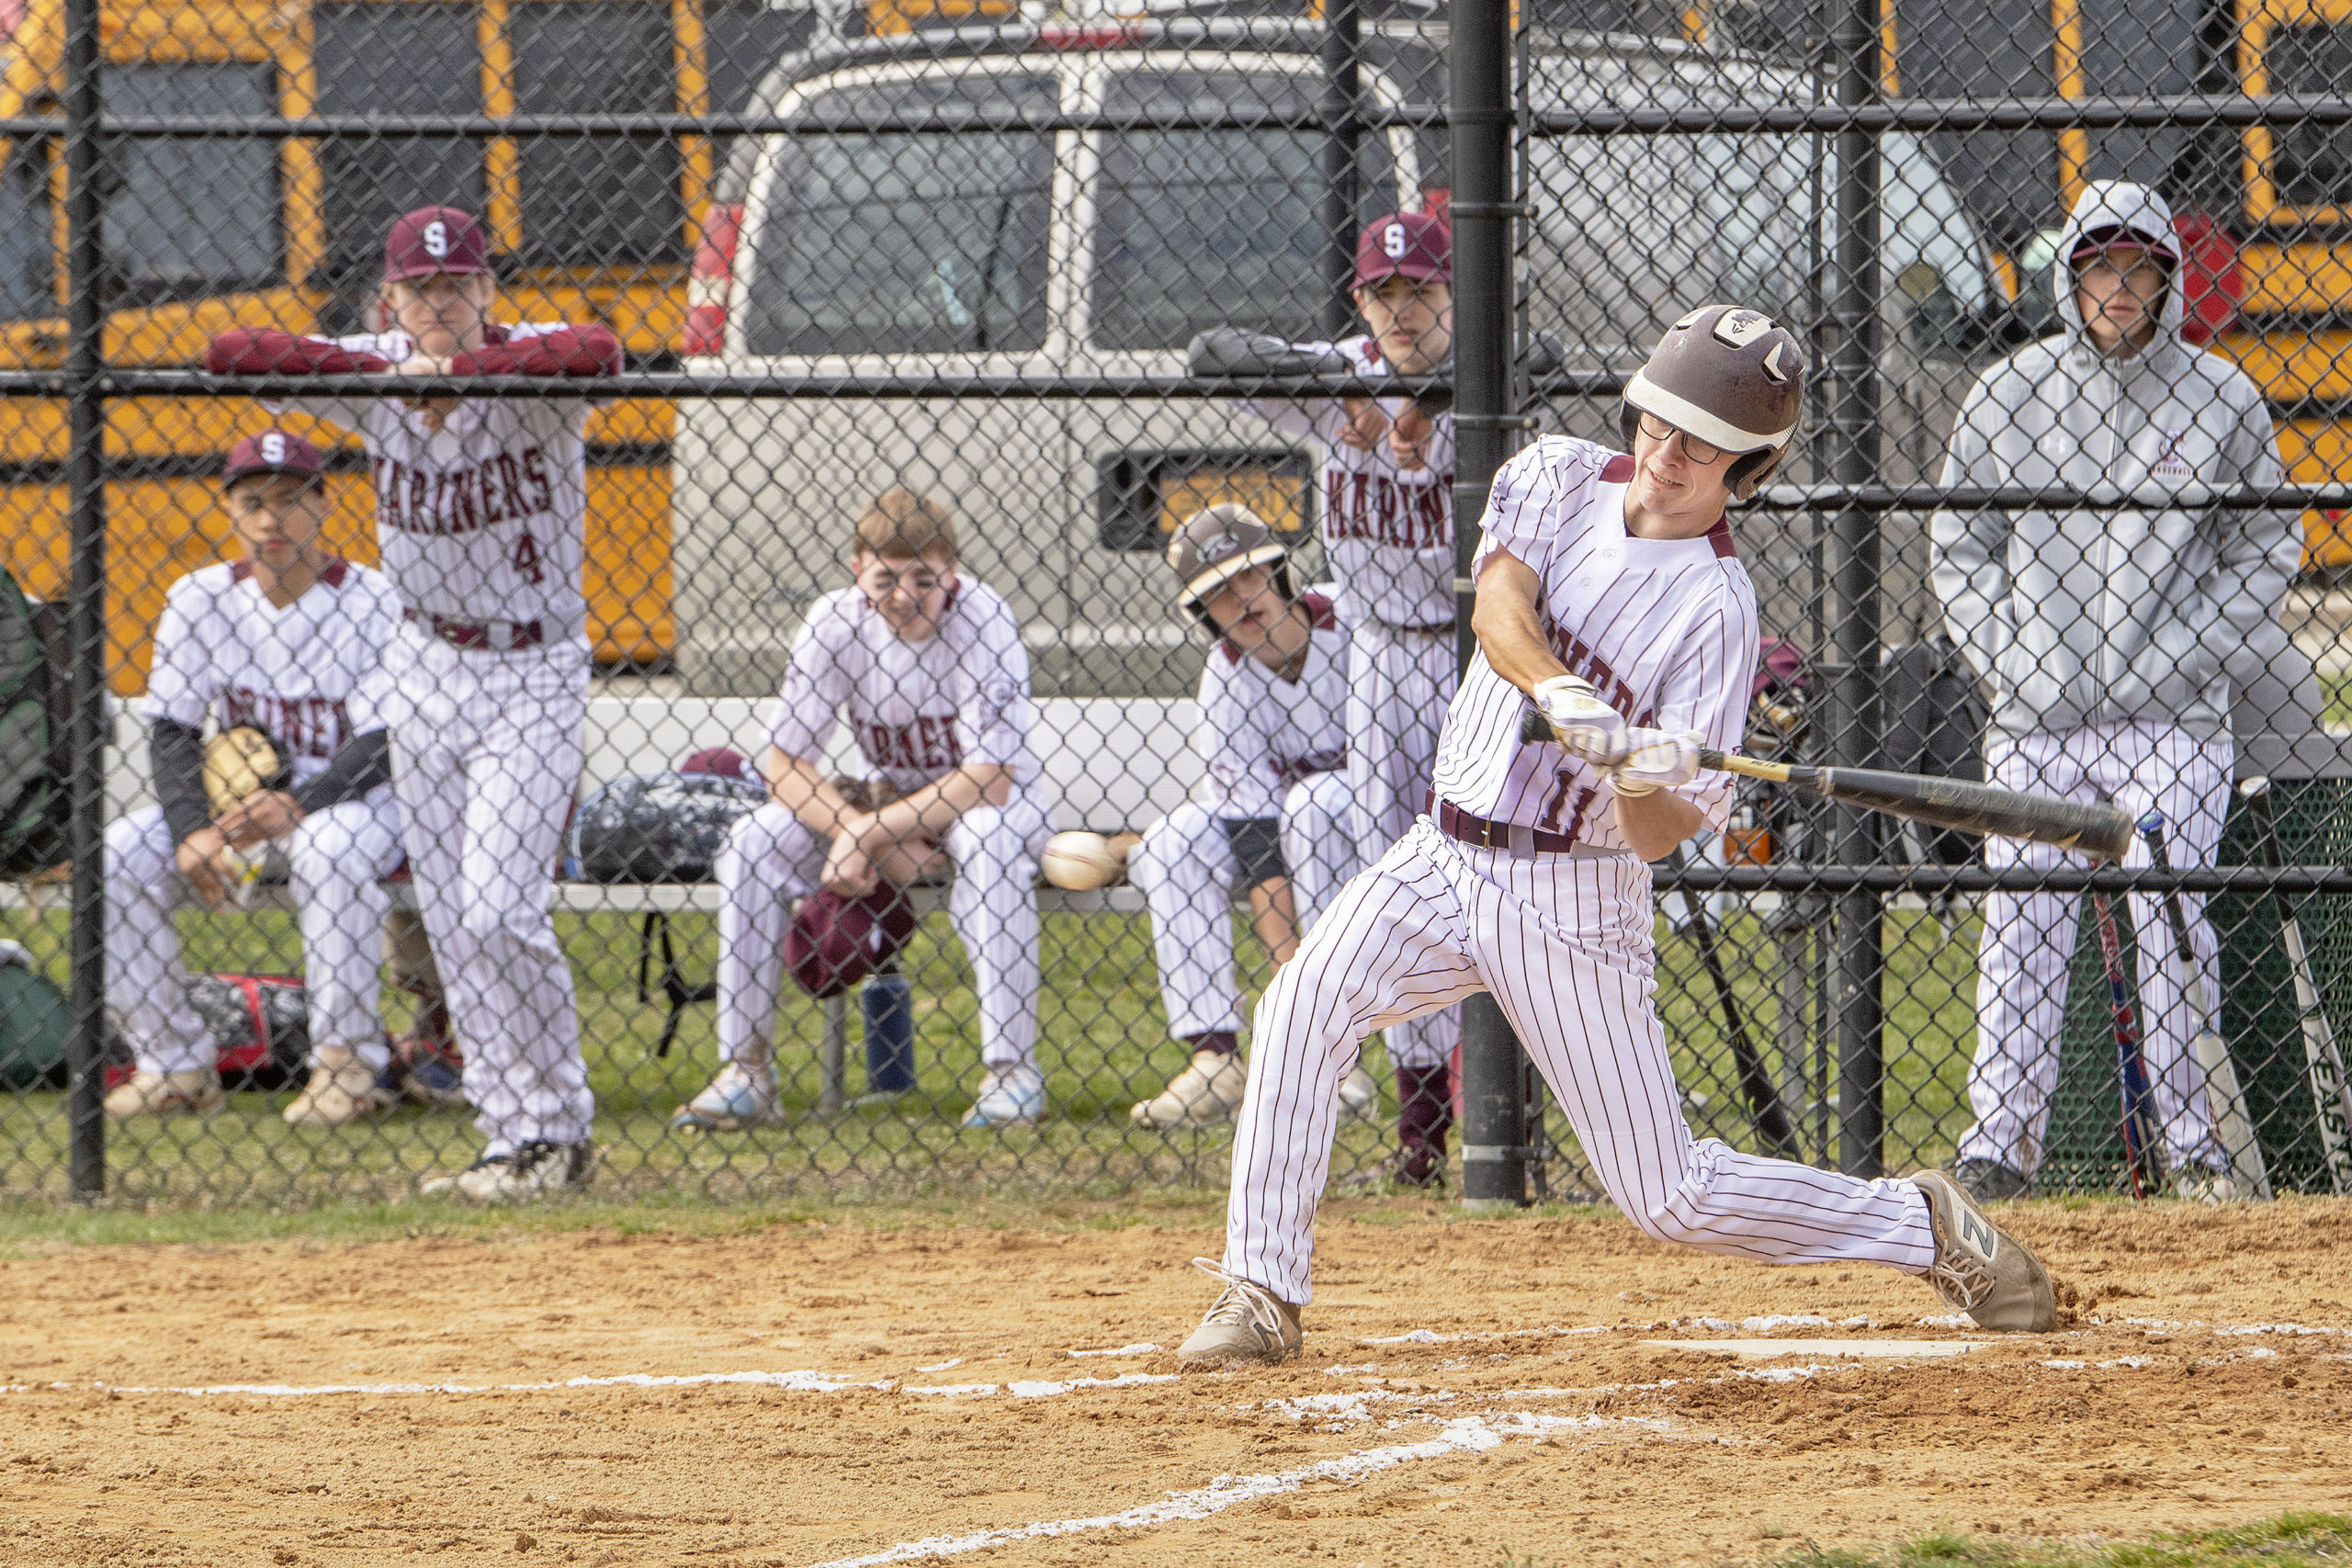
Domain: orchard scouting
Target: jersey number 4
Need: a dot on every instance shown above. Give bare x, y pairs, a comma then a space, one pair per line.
526, 559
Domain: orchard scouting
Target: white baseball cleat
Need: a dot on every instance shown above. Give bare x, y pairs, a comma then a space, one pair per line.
1247, 1323
1009, 1097
535, 1169
1981, 1268
1360, 1095
195, 1092
341, 1088
2203, 1184
739, 1096
1203, 1094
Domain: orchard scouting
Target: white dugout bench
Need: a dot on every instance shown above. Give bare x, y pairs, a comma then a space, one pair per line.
1110, 763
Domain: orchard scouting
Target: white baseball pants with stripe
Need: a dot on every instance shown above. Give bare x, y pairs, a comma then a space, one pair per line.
2021, 964
771, 861
1185, 870
333, 860
1565, 945
1399, 684
486, 752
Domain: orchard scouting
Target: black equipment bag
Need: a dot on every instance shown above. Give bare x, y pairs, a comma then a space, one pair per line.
657, 826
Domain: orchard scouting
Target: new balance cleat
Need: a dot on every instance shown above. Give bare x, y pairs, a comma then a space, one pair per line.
1247, 1325
1981, 1268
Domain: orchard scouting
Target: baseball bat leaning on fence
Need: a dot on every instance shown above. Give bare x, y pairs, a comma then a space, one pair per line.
2224, 1096
1766, 1113
2143, 1150
2322, 1062
2102, 830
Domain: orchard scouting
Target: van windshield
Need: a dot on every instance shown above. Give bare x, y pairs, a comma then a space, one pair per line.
1204, 227
904, 243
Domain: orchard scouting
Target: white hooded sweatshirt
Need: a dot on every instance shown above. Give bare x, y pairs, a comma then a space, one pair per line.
2140, 614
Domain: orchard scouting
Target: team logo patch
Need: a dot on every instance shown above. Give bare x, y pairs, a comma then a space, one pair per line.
1217, 549
1738, 329
436, 239
273, 447
1393, 242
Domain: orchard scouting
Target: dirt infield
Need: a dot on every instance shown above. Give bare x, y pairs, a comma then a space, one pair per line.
1470, 1391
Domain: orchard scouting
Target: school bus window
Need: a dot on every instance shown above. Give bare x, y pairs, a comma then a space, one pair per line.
2313, 162
185, 219
904, 243
28, 259
597, 201
370, 182
743, 38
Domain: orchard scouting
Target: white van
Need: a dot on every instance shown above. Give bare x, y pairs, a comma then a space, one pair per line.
1099, 252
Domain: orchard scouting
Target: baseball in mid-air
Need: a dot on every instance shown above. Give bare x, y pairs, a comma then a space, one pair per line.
1079, 862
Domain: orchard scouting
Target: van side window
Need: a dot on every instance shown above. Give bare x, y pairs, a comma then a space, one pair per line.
28, 258
907, 243
1202, 228
370, 182
2314, 169
593, 202
186, 218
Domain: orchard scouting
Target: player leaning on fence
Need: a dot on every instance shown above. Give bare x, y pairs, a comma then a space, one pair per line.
2112, 640
927, 668
1610, 596
480, 512
284, 644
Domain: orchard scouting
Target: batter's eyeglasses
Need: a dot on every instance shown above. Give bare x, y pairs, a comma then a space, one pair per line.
1698, 451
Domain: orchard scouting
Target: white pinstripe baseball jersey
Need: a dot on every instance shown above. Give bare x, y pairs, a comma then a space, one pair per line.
1260, 734
1664, 629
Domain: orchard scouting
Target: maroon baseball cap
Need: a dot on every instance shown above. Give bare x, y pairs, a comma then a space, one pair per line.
435, 239
1405, 244
274, 452
724, 760
834, 941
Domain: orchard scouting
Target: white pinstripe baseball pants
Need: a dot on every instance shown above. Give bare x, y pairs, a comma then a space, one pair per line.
1565, 945
1399, 684
2029, 937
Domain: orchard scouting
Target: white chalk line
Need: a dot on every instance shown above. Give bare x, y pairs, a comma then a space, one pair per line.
1469, 1434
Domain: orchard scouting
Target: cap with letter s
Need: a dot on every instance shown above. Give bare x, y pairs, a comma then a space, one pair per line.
274, 452
1405, 244
435, 239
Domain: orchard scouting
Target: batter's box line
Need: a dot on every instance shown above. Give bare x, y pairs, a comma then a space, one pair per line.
1469, 1434
789, 1382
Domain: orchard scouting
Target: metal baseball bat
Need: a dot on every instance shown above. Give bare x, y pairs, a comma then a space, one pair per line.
1766, 1113
2143, 1153
2097, 829
2231, 1124
2322, 1062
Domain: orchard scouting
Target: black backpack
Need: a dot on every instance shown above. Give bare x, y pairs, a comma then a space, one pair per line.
1933, 717
657, 826
36, 734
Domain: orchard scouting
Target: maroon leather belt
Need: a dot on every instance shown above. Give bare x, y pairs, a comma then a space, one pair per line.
492, 637
1517, 837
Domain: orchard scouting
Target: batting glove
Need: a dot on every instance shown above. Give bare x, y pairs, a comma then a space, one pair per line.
1585, 726
1655, 760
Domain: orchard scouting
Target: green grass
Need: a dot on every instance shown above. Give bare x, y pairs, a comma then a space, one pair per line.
2288, 1540
1103, 1047
2335, 691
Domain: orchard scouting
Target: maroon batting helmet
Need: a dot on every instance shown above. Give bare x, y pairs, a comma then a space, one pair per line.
834, 941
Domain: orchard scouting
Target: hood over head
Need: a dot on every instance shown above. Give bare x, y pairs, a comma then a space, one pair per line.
2112, 210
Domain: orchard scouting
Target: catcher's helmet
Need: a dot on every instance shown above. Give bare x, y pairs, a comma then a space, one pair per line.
1732, 378
1216, 545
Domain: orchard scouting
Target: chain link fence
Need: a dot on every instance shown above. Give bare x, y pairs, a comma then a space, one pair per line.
876, 355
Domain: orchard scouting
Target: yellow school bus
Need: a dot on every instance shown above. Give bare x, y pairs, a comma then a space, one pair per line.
203, 234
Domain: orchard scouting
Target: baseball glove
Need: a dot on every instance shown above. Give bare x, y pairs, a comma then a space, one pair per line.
241, 762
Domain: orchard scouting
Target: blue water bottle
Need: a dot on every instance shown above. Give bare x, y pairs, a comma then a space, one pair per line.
889, 1001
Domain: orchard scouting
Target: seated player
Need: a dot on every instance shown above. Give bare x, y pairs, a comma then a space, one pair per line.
1271, 812
289, 641
928, 670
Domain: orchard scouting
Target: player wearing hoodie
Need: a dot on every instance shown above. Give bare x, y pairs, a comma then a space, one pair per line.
2111, 638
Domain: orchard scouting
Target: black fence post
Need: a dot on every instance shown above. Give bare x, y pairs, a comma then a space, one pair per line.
1854, 583
1342, 135
1493, 1076
85, 606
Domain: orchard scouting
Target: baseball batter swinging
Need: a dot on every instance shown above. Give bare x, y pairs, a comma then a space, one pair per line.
1610, 597
481, 513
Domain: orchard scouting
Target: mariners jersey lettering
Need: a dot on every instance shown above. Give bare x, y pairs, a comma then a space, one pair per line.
484, 519
916, 709
311, 676
1664, 629
1261, 733
1388, 532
